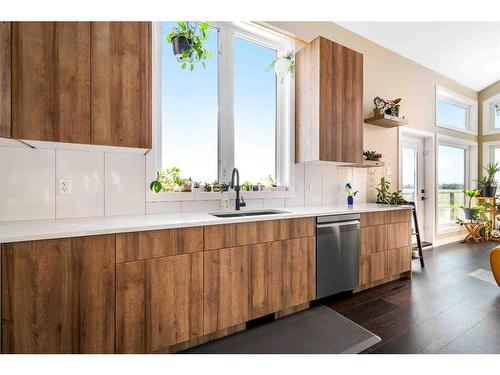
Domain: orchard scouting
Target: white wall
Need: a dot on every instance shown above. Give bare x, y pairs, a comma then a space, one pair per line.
113, 183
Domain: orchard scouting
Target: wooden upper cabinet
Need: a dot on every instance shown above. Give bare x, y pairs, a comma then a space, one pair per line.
5, 79
58, 296
121, 84
328, 103
51, 81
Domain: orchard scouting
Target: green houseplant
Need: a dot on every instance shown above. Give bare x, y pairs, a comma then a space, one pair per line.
372, 155
168, 179
188, 43
384, 196
469, 211
488, 184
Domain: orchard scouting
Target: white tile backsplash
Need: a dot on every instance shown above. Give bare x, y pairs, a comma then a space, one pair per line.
201, 206
85, 173
124, 191
251, 203
163, 207
27, 184
312, 185
329, 185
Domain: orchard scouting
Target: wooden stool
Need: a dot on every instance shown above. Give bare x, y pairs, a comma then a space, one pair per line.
473, 229
495, 263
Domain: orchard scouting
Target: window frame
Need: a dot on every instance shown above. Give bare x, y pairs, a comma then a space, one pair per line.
488, 115
284, 113
453, 98
470, 174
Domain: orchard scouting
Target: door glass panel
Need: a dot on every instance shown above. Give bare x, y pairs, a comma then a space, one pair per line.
409, 173
451, 182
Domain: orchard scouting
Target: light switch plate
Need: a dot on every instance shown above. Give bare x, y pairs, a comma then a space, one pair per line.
64, 186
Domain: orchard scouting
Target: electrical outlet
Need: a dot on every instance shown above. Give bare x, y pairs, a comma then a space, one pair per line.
64, 186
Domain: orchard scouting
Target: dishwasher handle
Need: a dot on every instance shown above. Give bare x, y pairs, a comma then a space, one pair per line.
338, 224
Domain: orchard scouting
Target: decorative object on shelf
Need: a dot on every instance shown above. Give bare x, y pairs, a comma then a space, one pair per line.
188, 40
271, 182
470, 212
196, 185
384, 196
207, 187
495, 233
389, 107
284, 65
187, 187
488, 184
350, 193
246, 186
371, 155
224, 186
216, 187
168, 179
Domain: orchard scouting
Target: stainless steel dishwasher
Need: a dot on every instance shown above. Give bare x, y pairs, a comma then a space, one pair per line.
337, 254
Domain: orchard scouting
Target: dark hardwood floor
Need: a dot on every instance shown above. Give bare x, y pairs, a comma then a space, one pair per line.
442, 310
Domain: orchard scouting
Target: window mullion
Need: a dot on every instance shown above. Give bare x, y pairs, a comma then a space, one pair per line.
226, 105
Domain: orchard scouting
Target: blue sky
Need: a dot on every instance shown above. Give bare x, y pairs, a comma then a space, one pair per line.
190, 112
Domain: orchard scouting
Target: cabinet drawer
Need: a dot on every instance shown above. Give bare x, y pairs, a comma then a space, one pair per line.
398, 235
373, 239
373, 218
372, 268
242, 234
158, 243
398, 216
398, 261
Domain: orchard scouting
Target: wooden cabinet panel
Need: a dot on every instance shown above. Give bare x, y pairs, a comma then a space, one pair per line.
158, 243
268, 278
398, 261
58, 296
226, 288
159, 302
398, 235
5, 79
372, 268
328, 103
230, 235
398, 216
372, 239
301, 271
121, 83
51, 81
372, 218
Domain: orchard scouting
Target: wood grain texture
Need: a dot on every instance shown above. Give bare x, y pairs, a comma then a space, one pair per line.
159, 303
241, 234
301, 271
372, 218
51, 81
372, 268
398, 260
398, 216
329, 103
5, 79
226, 295
121, 84
398, 235
58, 296
372, 239
158, 243
268, 278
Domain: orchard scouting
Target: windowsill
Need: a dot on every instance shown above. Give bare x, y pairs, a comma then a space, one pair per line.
208, 196
464, 131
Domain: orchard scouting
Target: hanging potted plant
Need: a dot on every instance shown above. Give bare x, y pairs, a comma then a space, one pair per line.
284, 65
188, 40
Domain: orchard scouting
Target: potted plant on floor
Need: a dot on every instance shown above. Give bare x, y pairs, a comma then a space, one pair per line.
488, 184
188, 40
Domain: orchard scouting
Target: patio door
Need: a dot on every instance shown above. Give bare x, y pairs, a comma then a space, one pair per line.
412, 175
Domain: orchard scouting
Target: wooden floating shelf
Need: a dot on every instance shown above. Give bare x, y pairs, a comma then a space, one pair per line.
364, 164
386, 121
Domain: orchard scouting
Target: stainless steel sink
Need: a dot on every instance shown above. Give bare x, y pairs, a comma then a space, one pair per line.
247, 213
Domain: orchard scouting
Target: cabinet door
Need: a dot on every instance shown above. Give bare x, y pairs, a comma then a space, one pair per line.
158, 303
58, 296
5, 79
301, 271
268, 278
372, 239
226, 287
398, 261
398, 235
121, 84
372, 268
51, 81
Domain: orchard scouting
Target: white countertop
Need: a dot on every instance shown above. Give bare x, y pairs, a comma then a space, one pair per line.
15, 231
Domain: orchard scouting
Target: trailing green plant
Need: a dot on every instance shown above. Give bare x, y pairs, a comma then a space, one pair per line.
168, 179
384, 196
289, 55
196, 36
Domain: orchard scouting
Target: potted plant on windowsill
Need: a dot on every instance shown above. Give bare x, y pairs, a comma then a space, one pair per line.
187, 39
167, 180
488, 184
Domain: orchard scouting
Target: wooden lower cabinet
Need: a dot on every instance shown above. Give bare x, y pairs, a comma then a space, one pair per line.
373, 239
58, 296
372, 268
159, 303
399, 260
301, 271
226, 287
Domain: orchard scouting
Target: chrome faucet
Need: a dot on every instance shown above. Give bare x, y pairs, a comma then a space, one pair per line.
236, 187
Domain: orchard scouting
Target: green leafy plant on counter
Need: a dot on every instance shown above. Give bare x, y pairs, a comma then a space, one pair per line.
168, 179
384, 196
